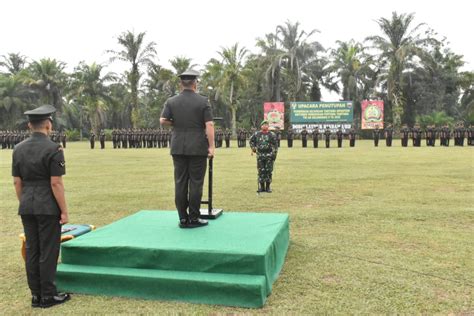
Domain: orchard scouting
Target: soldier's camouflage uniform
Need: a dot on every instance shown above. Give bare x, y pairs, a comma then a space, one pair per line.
266, 148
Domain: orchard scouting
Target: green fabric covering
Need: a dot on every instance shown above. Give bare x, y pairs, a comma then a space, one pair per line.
232, 261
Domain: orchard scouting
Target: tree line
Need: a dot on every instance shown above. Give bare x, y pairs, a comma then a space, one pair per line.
407, 65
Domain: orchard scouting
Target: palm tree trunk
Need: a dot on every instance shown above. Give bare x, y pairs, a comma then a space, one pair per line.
233, 109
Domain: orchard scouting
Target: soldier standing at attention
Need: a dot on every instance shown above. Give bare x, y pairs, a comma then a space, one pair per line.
278, 136
339, 135
37, 168
304, 137
265, 145
376, 134
416, 131
192, 143
405, 131
227, 135
63, 138
92, 139
327, 136
352, 137
388, 135
315, 135
289, 137
102, 139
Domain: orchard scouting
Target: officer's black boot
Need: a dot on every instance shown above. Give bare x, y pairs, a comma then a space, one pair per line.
268, 189
261, 187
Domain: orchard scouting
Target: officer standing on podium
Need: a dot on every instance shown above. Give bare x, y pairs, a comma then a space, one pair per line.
192, 142
37, 169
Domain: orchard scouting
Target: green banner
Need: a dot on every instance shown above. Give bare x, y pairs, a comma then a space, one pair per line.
321, 112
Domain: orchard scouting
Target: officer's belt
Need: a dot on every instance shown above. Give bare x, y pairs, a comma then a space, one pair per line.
36, 183
188, 129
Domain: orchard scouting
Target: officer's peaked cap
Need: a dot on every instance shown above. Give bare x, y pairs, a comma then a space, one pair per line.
189, 74
264, 122
41, 113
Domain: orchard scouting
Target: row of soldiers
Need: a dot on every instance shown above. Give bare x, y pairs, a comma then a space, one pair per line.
139, 138
9, 139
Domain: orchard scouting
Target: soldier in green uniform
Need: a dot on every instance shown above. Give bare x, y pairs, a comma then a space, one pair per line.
376, 134
92, 139
352, 137
192, 142
339, 136
265, 145
37, 168
304, 137
102, 139
315, 135
227, 136
327, 136
289, 137
388, 135
404, 133
278, 135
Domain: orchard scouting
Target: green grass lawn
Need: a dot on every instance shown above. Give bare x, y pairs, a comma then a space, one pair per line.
373, 230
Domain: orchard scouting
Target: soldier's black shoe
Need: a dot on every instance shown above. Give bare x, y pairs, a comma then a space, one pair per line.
268, 190
35, 301
197, 223
183, 223
261, 187
50, 301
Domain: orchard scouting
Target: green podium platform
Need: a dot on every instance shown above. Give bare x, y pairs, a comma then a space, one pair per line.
233, 261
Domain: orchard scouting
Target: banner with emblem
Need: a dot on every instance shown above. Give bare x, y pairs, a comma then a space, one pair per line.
274, 113
372, 114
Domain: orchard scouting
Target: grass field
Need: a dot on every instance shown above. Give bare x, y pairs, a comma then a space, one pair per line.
373, 230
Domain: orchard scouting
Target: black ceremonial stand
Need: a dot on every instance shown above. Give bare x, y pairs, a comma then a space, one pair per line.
210, 212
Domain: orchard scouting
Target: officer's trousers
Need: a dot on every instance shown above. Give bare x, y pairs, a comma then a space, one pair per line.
290, 143
43, 238
189, 172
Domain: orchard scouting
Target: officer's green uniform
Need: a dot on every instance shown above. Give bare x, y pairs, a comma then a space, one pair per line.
266, 147
35, 161
189, 113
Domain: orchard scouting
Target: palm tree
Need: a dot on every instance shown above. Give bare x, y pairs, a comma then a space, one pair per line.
47, 77
397, 46
13, 101
13, 62
89, 89
298, 54
232, 78
136, 52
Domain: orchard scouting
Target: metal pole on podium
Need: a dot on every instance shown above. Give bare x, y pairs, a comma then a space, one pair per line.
210, 212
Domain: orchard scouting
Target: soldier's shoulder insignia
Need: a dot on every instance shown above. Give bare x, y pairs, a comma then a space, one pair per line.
62, 163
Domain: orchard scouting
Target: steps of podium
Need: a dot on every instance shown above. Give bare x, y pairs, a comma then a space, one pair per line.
196, 287
233, 261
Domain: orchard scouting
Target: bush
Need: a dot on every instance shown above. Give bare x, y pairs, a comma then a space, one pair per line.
73, 134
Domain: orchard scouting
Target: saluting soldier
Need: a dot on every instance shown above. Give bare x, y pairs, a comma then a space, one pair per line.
388, 135
304, 137
37, 168
289, 137
376, 135
339, 135
327, 136
265, 145
92, 139
315, 135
